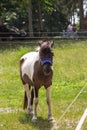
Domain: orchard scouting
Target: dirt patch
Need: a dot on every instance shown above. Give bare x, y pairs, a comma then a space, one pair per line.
55, 125
9, 110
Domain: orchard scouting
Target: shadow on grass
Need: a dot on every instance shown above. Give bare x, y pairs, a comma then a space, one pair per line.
41, 124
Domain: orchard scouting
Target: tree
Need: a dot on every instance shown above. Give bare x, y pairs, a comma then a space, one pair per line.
30, 19
81, 13
39, 15
45, 12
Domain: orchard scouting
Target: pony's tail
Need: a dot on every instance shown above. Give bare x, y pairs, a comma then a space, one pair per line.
25, 103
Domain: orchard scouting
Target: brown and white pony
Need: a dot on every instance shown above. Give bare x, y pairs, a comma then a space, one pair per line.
36, 71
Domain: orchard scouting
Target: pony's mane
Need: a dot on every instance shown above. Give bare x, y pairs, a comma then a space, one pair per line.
37, 48
42, 41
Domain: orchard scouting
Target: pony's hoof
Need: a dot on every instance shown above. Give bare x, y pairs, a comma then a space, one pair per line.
34, 119
51, 119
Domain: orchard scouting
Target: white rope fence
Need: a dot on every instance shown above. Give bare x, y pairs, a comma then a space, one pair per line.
55, 127
81, 120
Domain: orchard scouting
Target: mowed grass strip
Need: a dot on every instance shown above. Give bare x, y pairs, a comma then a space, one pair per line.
70, 75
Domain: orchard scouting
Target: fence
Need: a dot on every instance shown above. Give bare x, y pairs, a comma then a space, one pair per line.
42, 35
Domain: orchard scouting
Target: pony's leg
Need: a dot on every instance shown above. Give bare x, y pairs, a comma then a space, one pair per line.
50, 118
35, 104
28, 93
32, 98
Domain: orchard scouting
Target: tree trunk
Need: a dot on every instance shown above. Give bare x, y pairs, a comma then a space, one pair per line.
81, 14
39, 18
1, 21
30, 19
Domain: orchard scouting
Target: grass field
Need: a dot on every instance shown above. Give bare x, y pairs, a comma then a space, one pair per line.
70, 75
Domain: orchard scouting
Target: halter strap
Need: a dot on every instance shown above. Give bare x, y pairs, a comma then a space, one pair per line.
46, 60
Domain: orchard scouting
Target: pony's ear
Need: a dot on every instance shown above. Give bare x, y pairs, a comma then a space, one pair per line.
40, 42
52, 43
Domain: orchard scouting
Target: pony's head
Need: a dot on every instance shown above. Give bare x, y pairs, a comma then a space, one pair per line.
46, 56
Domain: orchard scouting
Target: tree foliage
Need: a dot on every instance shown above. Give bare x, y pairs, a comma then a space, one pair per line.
47, 15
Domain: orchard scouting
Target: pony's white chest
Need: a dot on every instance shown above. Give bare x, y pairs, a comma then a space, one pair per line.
28, 65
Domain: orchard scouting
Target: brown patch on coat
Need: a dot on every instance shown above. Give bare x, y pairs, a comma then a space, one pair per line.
39, 79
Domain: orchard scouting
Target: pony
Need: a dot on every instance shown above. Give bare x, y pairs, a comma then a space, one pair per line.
36, 70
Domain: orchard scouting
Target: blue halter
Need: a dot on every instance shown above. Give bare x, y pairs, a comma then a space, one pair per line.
46, 60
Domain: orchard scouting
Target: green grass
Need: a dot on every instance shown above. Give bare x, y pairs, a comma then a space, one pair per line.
70, 75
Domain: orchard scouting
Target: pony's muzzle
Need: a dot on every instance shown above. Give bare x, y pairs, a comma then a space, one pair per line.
47, 69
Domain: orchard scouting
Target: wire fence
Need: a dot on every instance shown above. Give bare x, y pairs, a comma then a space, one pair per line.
56, 124
43, 35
